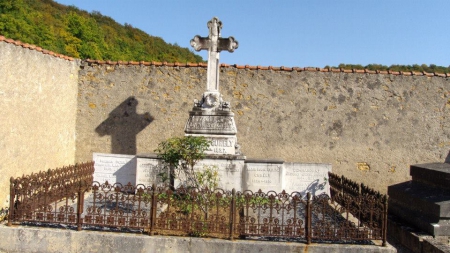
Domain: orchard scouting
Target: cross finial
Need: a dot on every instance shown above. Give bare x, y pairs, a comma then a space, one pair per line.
214, 44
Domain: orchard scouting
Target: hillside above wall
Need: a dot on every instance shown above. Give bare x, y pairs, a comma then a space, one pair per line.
204, 65
80, 34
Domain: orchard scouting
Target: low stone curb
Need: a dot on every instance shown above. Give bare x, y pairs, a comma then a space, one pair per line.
32, 239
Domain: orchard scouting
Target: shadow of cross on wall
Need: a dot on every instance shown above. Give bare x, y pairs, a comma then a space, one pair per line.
123, 124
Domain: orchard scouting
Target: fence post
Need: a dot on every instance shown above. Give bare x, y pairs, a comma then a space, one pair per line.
232, 213
308, 218
153, 210
12, 196
341, 182
385, 220
80, 204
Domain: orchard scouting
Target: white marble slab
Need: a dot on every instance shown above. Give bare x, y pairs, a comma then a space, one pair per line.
264, 175
149, 171
229, 172
114, 168
307, 177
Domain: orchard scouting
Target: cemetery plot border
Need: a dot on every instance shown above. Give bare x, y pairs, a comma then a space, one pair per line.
356, 216
48, 196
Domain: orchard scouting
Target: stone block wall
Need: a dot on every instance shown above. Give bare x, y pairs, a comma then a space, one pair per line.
370, 127
38, 101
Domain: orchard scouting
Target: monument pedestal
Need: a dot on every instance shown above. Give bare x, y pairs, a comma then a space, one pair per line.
425, 200
216, 125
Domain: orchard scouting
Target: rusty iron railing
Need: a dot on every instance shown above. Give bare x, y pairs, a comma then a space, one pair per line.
46, 197
352, 214
369, 207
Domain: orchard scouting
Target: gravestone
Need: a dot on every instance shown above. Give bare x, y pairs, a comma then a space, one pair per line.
211, 117
230, 171
425, 200
266, 175
114, 168
150, 170
307, 177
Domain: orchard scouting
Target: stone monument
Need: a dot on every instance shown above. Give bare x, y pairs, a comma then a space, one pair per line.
211, 116
425, 200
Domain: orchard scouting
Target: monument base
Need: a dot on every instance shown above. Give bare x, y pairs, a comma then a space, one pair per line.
425, 200
234, 172
217, 126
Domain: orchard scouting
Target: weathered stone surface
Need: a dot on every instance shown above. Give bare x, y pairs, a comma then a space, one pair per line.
211, 123
29, 239
429, 192
344, 119
235, 172
229, 170
433, 174
430, 209
306, 177
150, 170
115, 168
38, 101
265, 175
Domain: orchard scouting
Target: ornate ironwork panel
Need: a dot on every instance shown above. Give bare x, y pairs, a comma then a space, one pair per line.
117, 205
270, 214
50, 196
188, 211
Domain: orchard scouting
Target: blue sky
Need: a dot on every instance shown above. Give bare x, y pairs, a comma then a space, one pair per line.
298, 33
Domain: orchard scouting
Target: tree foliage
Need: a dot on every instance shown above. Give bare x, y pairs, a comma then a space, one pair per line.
181, 154
70, 31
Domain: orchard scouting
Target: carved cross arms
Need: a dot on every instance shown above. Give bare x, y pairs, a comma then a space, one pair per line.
213, 42
229, 44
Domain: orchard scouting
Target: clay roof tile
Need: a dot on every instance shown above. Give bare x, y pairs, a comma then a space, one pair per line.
282, 68
428, 74
335, 70
406, 73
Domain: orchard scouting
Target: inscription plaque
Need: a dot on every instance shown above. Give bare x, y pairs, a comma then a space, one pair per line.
263, 175
211, 122
221, 145
150, 170
307, 177
229, 172
114, 168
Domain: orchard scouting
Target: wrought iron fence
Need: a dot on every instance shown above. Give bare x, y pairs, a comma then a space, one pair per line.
47, 196
350, 214
367, 206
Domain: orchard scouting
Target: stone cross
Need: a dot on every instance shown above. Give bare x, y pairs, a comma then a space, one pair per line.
214, 44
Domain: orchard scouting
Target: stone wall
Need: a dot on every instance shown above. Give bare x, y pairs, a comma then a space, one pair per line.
370, 127
38, 96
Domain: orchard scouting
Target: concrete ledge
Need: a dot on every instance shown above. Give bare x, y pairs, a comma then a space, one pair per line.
32, 239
